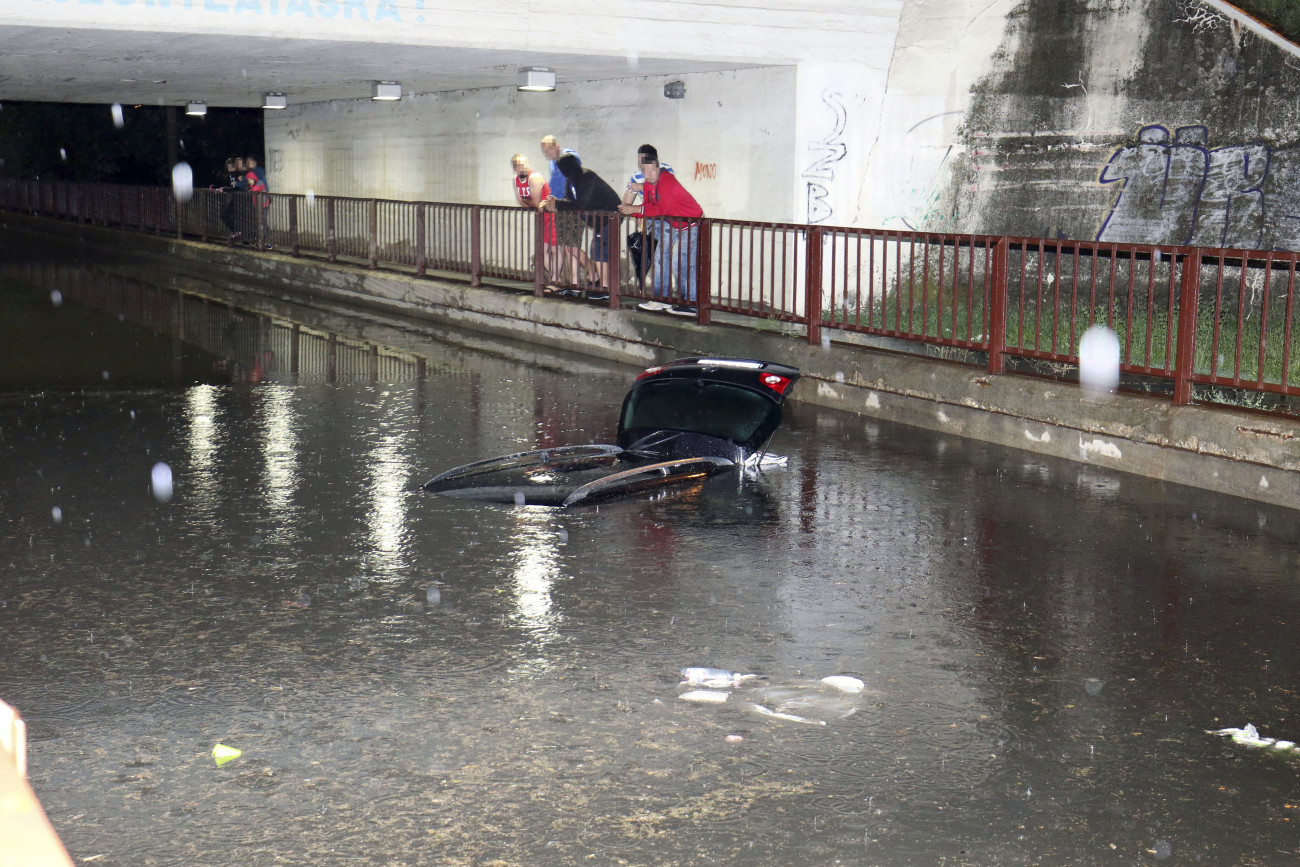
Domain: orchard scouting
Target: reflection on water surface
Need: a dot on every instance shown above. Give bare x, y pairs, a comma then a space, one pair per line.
418, 680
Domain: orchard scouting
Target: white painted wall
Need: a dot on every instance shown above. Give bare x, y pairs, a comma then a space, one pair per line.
730, 141
757, 31
943, 48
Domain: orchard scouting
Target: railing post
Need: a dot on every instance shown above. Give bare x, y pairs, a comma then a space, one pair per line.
372, 217
476, 245
331, 242
1188, 298
614, 228
812, 278
703, 269
539, 252
995, 301
293, 225
421, 258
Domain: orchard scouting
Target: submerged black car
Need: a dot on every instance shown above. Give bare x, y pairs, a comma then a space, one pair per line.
685, 420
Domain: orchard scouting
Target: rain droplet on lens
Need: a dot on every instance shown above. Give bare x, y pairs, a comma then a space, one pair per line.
56, 297
433, 596
564, 535
1162, 850
1093, 686
104, 373
182, 181
1099, 360
162, 482
311, 196
117, 115
520, 499
57, 514
63, 154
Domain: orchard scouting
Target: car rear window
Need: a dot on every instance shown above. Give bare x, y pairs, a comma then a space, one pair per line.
713, 408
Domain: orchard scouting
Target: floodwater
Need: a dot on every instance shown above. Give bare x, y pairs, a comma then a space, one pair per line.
419, 680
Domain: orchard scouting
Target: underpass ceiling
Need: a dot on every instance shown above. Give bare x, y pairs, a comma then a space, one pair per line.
129, 67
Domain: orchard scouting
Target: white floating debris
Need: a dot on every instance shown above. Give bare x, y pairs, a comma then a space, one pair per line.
714, 696
844, 683
767, 711
1249, 736
764, 461
161, 482
715, 677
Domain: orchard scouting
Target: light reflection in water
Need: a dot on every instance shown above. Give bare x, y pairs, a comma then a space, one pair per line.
536, 546
280, 450
390, 471
204, 433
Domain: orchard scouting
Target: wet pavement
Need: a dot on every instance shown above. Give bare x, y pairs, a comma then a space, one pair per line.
418, 680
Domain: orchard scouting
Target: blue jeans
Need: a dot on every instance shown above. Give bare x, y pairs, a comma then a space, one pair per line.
677, 257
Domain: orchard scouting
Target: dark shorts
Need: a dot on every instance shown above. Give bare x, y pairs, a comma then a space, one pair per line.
599, 244
568, 229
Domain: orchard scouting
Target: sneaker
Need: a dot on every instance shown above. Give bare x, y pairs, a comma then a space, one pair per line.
683, 311
597, 296
653, 306
568, 293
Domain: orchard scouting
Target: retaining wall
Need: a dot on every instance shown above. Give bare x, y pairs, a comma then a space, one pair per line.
1236, 452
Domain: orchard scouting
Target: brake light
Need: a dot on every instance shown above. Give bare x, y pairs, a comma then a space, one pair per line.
777, 383
649, 371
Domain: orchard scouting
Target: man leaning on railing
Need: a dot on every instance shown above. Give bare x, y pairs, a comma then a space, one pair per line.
672, 219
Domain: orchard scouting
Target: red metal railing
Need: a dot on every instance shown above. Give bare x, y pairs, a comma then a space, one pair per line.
1209, 324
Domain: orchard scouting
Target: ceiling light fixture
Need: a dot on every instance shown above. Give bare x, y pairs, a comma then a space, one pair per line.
536, 79
386, 91
275, 100
196, 108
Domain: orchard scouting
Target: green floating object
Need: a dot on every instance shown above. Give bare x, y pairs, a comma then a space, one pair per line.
222, 754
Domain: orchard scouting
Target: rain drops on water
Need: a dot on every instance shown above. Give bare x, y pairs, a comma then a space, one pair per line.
161, 482
182, 181
117, 115
1099, 360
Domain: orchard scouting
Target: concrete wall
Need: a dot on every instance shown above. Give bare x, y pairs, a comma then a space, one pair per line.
1154, 121
727, 140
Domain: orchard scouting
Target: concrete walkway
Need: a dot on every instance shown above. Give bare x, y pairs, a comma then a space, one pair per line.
1236, 452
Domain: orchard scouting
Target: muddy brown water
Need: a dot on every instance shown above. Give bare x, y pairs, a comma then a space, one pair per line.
417, 680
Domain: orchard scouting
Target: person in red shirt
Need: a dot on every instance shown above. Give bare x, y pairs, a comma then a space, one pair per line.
531, 192
672, 219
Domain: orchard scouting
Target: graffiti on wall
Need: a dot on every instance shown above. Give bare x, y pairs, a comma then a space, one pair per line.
830, 149
708, 171
1175, 189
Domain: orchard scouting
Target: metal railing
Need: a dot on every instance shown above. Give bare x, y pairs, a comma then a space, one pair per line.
1194, 323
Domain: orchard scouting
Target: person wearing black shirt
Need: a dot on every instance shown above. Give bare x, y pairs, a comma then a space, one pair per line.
588, 192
